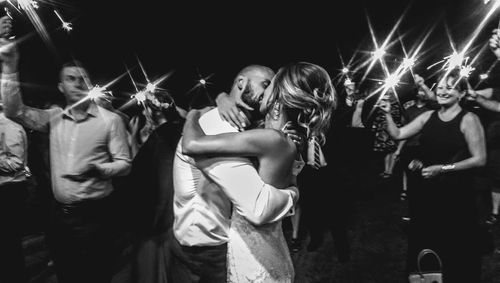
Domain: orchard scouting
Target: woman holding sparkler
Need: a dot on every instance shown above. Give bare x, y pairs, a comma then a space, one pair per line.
452, 145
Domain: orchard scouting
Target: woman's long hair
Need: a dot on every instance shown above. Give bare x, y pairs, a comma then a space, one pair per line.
306, 93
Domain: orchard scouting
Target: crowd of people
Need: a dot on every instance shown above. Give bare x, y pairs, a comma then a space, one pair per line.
205, 190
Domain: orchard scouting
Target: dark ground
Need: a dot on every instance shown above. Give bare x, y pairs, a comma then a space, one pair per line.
378, 253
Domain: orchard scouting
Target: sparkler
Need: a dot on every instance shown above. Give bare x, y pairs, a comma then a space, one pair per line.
378, 53
458, 59
347, 82
483, 76
150, 87
408, 62
455, 60
29, 7
140, 97
345, 70
23, 4
96, 92
465, 71
67, 26
391, 81
149, 90
7, 12
202, 82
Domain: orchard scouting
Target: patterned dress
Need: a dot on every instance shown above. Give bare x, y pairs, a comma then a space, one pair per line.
259, 253
382, 141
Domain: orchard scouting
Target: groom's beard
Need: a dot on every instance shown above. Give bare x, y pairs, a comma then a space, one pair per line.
251, 99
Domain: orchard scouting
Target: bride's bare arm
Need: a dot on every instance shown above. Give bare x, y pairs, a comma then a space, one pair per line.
248, 143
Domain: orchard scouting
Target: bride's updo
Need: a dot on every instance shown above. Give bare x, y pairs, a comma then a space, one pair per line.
306, 94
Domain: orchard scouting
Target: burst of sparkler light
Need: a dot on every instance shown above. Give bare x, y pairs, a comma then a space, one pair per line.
378, 53
455, 60
345, 70
67, 26
483, 76
23, 4
29, 7
408, 63
140, 97
150, 87
391, 81
97, 92
465, 71
202, 82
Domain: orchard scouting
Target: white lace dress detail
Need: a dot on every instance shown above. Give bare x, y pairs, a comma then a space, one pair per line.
259, 253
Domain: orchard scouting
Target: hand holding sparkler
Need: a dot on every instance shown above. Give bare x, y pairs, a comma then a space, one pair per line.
9, 55
385, 105
5, 26
471, 93
419, 81
495, 43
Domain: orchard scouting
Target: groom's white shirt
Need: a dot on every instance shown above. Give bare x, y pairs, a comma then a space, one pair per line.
205, 188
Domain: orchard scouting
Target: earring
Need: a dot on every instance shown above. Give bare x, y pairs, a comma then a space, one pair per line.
276, 111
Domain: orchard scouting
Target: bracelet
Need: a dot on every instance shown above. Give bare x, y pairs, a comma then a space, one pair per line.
448, 167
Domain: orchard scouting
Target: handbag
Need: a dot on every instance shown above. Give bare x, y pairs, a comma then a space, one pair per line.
426, 276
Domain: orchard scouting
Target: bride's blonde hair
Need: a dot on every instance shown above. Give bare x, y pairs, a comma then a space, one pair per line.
306, 94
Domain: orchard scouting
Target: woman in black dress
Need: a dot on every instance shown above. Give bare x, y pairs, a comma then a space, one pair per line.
444, 217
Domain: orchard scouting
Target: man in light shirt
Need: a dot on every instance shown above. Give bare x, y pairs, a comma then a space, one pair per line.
88, 146
13, 173
207, 189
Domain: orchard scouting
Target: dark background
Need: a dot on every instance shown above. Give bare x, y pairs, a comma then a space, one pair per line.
198, 39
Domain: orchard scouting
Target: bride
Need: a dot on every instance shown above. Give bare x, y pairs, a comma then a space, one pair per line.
300, 99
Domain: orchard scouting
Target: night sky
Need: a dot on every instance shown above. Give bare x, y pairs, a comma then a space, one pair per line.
219, 38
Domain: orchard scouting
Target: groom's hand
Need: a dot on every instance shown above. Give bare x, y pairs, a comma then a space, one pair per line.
229, 106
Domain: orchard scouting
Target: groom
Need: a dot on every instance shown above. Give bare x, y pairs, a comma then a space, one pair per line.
205, 189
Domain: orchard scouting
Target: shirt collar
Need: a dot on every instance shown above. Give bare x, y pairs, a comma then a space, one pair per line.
92, 110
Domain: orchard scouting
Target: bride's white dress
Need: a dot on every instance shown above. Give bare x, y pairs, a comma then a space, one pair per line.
259, 253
